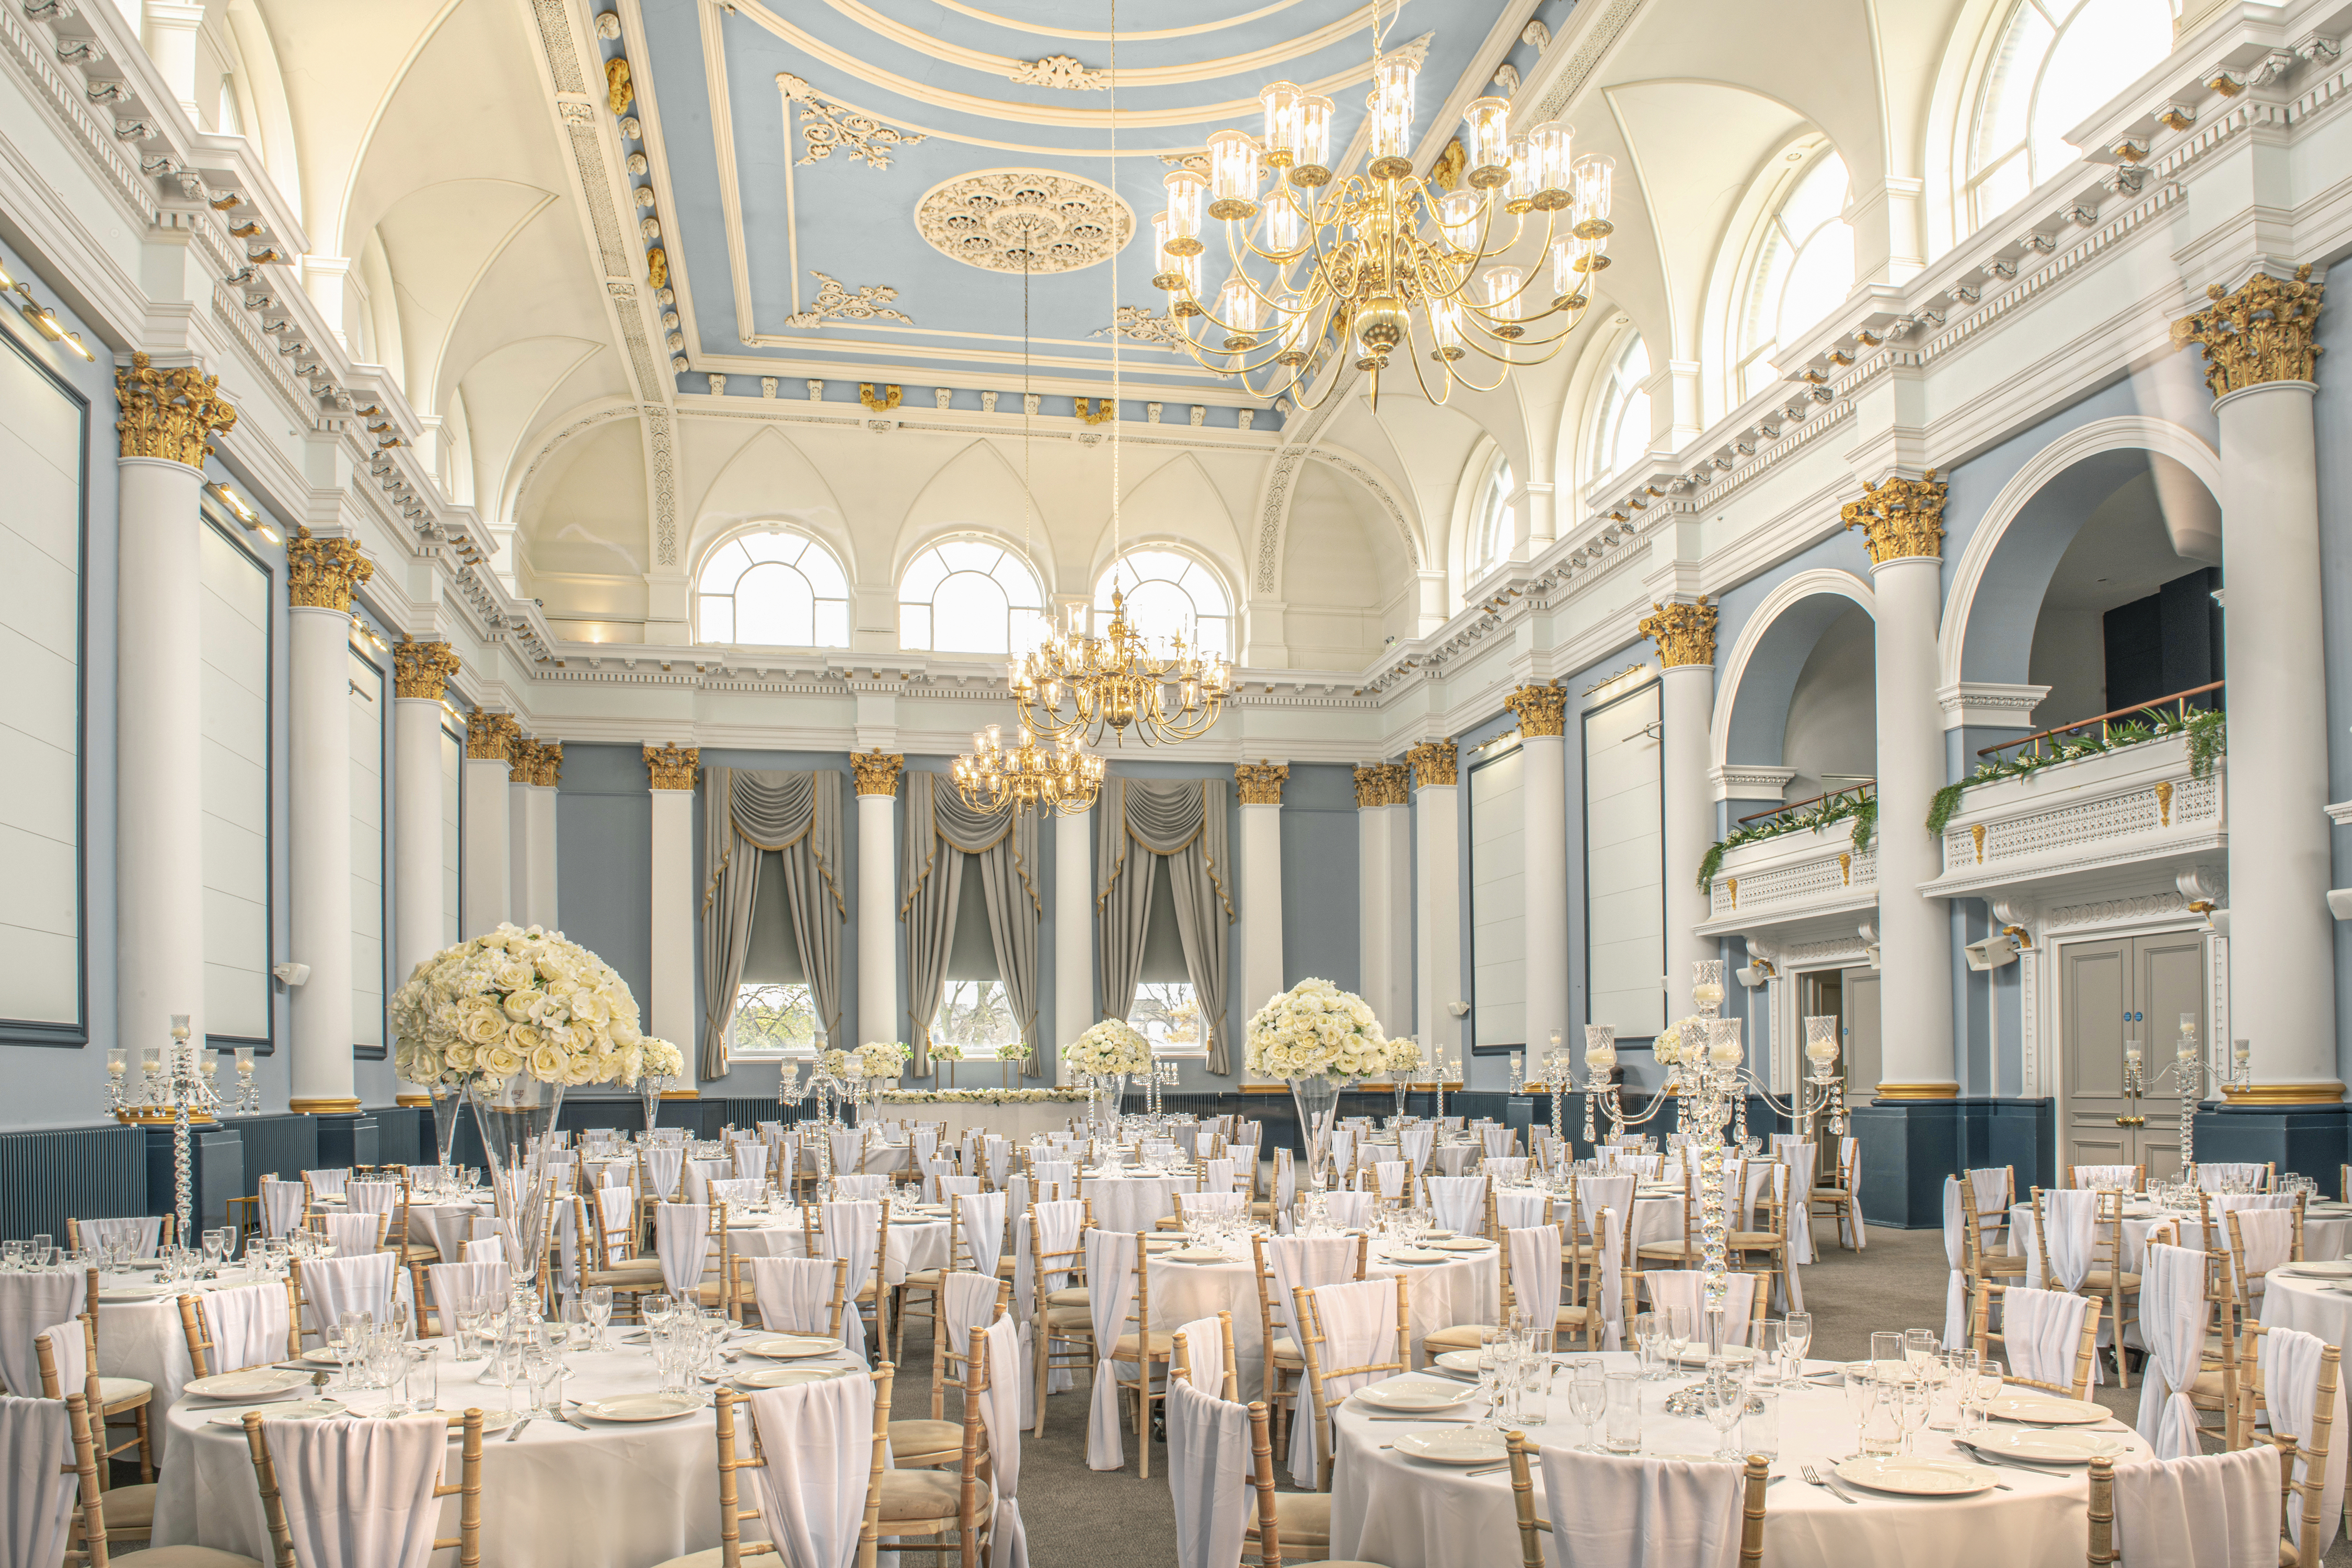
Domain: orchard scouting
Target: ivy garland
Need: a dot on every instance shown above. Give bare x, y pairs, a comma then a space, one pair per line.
2207, 729
1861, 810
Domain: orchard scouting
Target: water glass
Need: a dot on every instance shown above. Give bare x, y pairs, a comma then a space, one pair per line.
1885, 1352
1621, 1409
1761, 1432
1797, 1334
1535, 1386
1770, 1347
421, 1384
1675, 1334
1917, 1398
347, 1337
1920, 1350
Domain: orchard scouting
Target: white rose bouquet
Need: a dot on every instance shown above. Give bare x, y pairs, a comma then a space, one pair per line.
1685, 1039
1111, 1046
879, 1058
833, 1063
1316, 1030
517, 1000
946, 1051
1405, 1055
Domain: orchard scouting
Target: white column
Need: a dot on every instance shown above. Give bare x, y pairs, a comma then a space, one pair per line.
671, 918
522, 757
1378, 901
1914, 994
2282, 962
1438, 897
541, 803
419, 673
1074, 932
159, 872
1393, 821
322, 573
488, 869
169, 33
1685, 711
1261, 873
1543, 787
877, 894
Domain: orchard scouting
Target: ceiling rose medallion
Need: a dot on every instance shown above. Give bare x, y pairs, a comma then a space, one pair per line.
1002, 219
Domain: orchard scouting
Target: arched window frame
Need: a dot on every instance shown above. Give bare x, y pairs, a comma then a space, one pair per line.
1745, 359
1620, 406
1488, 520
712, 558
923, 635
1218, 633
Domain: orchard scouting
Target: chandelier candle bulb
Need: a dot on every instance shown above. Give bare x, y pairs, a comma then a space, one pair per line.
1391, 117
1286, 229
1486, 138
1312, 165
1551, 147
1280, 99
1520, 188
1505, 292
1170, 275
1599, 1047
1233, 175
1594, 174
1187, 194
1457, 218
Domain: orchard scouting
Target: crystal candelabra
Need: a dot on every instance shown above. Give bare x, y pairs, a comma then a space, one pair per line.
1559, 1078
2187, 1069
1164, 1076
175, 1085
1442, 1062
248, 1092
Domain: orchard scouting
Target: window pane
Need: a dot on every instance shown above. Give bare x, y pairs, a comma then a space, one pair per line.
1160, 611
717, 618
1761, 308
773, 1018
1632, 436
726, 563
1213, 634
2002, 114
1635, 365
1029, 629
915, 625
1818, 197
2003, 188
823, 572
1818, 282
1020, 584
968, 615
832, 623
2104, 48
1168, 1014
968, 555
976, 1014
773, 606
784, 547
921, 578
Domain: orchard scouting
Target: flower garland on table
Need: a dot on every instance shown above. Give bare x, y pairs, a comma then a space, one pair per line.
1316, 1030
879, 1058
1110, 1047
1064, 1096
522, 1000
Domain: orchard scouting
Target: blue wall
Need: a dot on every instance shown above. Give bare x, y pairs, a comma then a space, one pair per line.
2331, 414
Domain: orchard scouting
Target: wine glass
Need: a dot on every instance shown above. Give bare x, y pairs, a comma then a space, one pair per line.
1771, 1345
1860, 1401
1676, 1333
1723, 1398
1984, 1382
1587, 1396
1797, 1338
1917, 1397
1920, 1350
596, 1307
347, 1337
1646, 1330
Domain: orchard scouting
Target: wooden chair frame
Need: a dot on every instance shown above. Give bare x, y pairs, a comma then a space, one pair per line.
974, 1517
1837, 1194
1281, 1395
200, 1343
136, 1405
741, 1295
1043, 1357
1755, 1476
468, 1538
2252, 1404
2105, 1281
873, 1293
2139, 1179
2086, 1349
1309, 1319
1180, 1359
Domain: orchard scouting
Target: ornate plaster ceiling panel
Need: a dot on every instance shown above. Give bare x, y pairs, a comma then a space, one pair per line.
1024, 220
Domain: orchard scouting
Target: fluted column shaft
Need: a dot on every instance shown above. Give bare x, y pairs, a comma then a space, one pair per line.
670, 1011
1260, 786
877, 895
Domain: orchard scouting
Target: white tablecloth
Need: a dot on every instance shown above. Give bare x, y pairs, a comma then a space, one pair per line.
1444, 1159
624, 1495
2322, 1307
914, 1245
1130, 1204
2324, 1238
1440, 1295
1403, 1513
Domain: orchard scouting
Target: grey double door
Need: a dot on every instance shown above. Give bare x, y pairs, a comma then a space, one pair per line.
2111, 993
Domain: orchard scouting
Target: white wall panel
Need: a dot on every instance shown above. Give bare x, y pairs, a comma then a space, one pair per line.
1624, 877
453, 843
233, 642
367, 706
1499, 902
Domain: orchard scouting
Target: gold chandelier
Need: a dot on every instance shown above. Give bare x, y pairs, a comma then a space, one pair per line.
1027, 775
1119, 681
1374, 285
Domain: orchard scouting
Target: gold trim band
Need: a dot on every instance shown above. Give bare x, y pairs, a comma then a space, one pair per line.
2283, 1094
681, 1094
323, 1106
414, 1100
1918, 1091
160, 1117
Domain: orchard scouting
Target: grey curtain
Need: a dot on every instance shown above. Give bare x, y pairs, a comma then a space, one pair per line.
942, 834
1144, 822
798, 814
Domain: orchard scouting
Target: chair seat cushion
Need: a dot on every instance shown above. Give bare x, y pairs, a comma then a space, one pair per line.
1069, 1318
1070, 1296
1286, 1352
624, 1277
2103, 1280
131, 1509
923, 1279
924, 1442
206, 1557
123, 1392
917, 1497
1303, 1519
1755, 1240
1460, 1337
1825, 1195
423, 1252
1161, 1346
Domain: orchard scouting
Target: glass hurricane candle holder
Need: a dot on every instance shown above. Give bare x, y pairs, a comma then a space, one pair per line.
1706, 985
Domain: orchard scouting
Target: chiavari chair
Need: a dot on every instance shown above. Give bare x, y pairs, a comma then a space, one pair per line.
1312, 1344
1179, 1359
2106, 1280
468, 1542
921, 1509
199, 1339
134, 1506
1755, 1477
1981, 1339
1838, 1193
1284, 1366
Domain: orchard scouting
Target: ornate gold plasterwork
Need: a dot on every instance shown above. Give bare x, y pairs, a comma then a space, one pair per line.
835, 303
1542, 709
1977, 832
488, 735
1382, 783
617, 91
169, 413
1446, 173
1845, 869
1900, 519
1013, 220
879, 400
1087, 414
657, 267
1432, 763
671, 766
548, 768
1261, 782
1684, 633
877, 770
1064, 71
1138, 324
522, 760
2260, 333
2164, 802
421, 669
321, 573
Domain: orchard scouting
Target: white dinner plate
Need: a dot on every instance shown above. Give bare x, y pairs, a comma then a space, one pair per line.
253, 1382
1414, 1393
492, 1420
788, 1376
2061, 1447
1453, 1444
1460, 1360
1436, 1234
1196, 1254
1414, 1255
2048, 1410
136, 1292
639, 1406
792, 1347
2338, 1270
1918, 1478
322, 1355
1464, 1243
284, 1410
1736, 1356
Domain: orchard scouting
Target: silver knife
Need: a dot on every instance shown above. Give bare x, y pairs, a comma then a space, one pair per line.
574, 1418
515, 1431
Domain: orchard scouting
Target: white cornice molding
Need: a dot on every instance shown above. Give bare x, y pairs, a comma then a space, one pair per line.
1988, 704
1750, 781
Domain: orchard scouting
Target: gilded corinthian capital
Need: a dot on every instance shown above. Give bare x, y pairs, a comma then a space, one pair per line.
522, 760
1380, 783
1900, 519
488, 735
1684, 633
671, 766
421, 669
2260, 333
1261, 782
1542, 709
321, 573
169, 413
1432, 763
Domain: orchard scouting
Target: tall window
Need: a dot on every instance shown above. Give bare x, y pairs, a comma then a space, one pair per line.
1169, 594
772, 589
1621, 424
971, 596
1168, 1014
774, 1012
2057, 63
1491, 523
1803, 266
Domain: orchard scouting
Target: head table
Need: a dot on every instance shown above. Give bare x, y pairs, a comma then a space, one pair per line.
1402, 1513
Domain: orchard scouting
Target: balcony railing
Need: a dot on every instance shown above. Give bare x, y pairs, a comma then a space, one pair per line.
2138, 723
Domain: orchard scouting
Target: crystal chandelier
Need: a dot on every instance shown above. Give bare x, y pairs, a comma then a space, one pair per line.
1391, 263
1026, 775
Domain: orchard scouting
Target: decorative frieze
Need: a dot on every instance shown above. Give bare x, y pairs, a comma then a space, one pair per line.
488, 735
1260, 783
2260, 333
672, 766
1432, 763
1901, 519
169, 413
1684, 633
421, 669
878, 772
321, 573
1542, 711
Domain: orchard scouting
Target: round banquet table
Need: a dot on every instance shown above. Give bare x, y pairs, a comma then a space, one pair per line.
2316, 1305
1402, 1513
1451, 1158
914, 1245
618, 1493
1129, 1204
1468, 1289
2325, 1234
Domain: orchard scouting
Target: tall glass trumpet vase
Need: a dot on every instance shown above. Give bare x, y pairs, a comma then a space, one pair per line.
448, 1108
1317, 1100
649, 1093
516, 1115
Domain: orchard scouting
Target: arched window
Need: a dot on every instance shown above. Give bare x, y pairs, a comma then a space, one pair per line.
969, 596
1491, 523
1621, 420
1802, 268
1168, 596
773, 588
2054, 64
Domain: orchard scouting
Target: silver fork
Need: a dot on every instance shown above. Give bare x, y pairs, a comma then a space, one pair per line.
1812, 1477
515, 1431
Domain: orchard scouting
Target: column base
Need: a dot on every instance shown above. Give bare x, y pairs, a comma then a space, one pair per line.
347, 1140
1908, 1147
2312, 1139
414, 1100
342, 1106
1918, 1091
2327, 1092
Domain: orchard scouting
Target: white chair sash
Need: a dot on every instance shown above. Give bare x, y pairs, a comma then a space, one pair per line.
2212, 1178
1535, 1272
2040, 1330
29, 1303
281, 1206
247, 1325
1687, 1289
1518, 1209
2289, 1365
1504, 1167
37, 1485
2208, 1511
333, 1286
358, 1493
1956, 1279
818, 1439
983, 1217
665, 1164
794, 1295
1209, 1470
371, 1197
682, 1241
139, 1235
1359, 1326
1459, 1202
854, 1230
1204, 1354
1614, 1512
2172, 1322
1217, 1174
1000, 1412
327, 1184
863, 1189
453, 1285
1415, 1144
1350, 1210
66, 1349
1111, 1290
1851, 1229
2068, 1223
352, 1233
